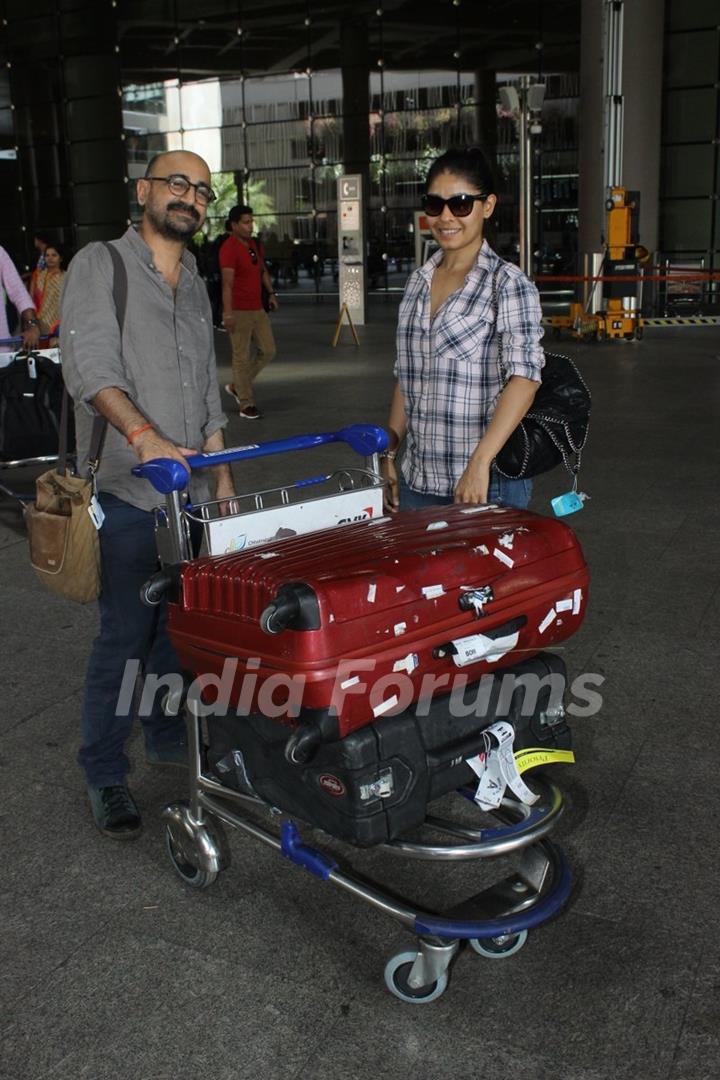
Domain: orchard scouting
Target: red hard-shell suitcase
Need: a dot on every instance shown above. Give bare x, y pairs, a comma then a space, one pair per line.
355, 623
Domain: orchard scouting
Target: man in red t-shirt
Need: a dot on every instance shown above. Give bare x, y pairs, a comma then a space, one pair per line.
243, 276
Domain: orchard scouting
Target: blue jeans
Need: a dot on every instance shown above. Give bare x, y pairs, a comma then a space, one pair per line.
128, 630
515, 493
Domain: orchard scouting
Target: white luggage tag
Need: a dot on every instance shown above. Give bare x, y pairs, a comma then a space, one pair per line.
469, 650
95, 510
497, 769
96, 513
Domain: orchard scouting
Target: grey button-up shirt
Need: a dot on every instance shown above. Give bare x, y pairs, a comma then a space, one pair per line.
165, 361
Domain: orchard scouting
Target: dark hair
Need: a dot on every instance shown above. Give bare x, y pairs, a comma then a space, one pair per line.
469, 163
43, 237
59, 248
239, 211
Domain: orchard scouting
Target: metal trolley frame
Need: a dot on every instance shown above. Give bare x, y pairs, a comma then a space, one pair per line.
495, 921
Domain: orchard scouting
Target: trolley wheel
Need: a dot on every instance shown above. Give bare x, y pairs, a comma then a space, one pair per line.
497, 948
191, 875
639, 330
397, 970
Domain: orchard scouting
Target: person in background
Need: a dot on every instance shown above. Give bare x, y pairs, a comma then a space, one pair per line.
46, 289
40, 243
11, 286
243, 277
452, 406
155, 382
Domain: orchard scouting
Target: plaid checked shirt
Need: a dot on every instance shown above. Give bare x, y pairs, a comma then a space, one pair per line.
447, 366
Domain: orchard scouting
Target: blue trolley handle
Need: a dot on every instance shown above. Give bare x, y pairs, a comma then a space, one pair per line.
167, 475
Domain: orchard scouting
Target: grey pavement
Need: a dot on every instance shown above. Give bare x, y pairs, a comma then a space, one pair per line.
113, 968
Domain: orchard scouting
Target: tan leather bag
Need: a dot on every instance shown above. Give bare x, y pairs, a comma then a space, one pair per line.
64, 545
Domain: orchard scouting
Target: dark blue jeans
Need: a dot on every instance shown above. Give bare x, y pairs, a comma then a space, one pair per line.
128, 631
515, 493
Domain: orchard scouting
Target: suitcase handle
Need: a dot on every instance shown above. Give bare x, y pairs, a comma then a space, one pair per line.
511, 627
167, 475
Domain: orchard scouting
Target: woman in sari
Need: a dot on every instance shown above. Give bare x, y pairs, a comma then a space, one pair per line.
46, 289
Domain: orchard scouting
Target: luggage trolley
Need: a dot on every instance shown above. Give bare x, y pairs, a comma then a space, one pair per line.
494, 922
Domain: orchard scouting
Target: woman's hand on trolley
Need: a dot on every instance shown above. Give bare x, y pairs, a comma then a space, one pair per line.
472, 487
391, 491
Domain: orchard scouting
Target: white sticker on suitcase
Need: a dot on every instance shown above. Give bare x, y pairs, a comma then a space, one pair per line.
549, 618
372, 593
503, 557
469, 650
385, 706
431, 592
408, 663
563, 605
577, 597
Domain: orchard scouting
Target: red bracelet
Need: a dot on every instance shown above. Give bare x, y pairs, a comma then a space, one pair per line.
134, 434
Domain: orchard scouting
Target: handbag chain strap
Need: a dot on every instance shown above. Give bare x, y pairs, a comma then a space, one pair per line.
495, 305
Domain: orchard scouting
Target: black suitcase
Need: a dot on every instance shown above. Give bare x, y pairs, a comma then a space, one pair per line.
376, 783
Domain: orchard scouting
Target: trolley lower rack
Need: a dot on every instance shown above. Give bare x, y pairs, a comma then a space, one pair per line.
495, 922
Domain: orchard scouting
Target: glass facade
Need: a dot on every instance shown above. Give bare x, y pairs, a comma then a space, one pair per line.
277, 143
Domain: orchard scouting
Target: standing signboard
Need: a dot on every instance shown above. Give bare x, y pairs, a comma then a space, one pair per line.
351, 246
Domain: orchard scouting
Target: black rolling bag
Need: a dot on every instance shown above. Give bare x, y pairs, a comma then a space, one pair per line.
376, 783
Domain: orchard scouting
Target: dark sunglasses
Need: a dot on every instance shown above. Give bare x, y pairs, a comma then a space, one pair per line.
180, 185
458, 205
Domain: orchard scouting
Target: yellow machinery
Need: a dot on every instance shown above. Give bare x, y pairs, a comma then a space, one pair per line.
621, 317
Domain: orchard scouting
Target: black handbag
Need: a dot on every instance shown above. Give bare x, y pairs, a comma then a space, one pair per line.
555, 428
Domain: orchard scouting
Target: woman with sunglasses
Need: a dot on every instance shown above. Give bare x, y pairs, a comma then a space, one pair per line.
452, 407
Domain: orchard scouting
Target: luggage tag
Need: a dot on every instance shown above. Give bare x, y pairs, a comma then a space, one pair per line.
498, 770
570, 502
95, 510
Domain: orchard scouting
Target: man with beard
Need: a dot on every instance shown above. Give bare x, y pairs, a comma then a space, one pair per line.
151, 374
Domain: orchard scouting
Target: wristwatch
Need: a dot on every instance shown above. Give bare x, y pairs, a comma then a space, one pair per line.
30, 322
388, 455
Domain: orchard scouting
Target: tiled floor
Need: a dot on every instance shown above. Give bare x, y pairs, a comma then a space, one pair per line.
112, 968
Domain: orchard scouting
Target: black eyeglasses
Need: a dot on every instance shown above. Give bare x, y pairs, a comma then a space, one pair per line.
180, 185
458, 205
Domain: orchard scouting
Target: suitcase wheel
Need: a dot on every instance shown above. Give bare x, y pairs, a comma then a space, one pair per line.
497, 948
397, 970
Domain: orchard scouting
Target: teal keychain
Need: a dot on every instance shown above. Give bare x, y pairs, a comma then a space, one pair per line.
570, 502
